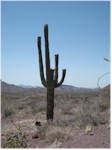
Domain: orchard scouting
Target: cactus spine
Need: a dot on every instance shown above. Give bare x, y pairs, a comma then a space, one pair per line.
51, 81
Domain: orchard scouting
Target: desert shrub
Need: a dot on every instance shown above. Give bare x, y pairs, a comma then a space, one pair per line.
62, 122
15, 139
105, 103
90, 112
67, 109
6, 107
66, 120
64, 104
89, 119
33, 108
42, 131
7, 112
21, 107
58, 133
38, 106
59, 136
100, 119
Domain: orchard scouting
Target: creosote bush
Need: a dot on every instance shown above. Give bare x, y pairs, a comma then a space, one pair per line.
15, 139
7, 112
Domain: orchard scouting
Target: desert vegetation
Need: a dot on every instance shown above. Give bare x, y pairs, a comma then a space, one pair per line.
73, 112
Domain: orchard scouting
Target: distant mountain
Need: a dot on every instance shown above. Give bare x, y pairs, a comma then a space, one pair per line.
67, 87
76, 89
5, 87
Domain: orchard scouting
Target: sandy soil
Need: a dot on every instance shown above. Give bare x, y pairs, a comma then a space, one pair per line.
99, 137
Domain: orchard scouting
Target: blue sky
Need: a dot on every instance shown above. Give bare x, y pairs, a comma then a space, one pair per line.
78, 31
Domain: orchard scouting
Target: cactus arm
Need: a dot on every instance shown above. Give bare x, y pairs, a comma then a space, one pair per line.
56, 69
47, 53
52, 78
41, 63
62, 79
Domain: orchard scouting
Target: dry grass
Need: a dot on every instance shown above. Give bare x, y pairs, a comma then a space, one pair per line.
52, 132
71, 110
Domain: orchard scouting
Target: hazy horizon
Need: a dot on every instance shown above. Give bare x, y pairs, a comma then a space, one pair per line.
79, 31
44, 87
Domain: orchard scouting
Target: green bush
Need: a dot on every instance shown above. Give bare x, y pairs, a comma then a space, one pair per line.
14, 140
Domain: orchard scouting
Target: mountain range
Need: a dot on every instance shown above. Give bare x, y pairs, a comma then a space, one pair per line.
5, 87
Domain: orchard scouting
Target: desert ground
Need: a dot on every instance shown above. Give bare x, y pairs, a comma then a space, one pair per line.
81, 118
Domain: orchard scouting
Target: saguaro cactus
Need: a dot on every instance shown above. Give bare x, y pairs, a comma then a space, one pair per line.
51, 81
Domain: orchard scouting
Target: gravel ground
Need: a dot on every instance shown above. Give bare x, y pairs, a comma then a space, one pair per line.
98, 138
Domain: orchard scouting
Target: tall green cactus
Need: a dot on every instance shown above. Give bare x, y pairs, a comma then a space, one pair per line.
51, 81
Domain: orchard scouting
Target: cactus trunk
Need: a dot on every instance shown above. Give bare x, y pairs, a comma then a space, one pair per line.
51, 81
50, 104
